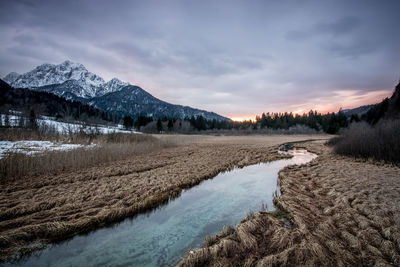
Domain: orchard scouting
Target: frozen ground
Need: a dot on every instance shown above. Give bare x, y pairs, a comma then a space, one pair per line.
33, 147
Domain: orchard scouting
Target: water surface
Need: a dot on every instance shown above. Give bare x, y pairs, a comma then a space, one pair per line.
162, 237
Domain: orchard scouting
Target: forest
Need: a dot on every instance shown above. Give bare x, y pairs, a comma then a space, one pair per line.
329, 123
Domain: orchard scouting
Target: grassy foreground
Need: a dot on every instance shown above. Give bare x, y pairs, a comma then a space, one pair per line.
42, 208
333, 211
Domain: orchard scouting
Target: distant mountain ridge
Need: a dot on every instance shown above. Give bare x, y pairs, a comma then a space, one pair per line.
359, 111
74, 82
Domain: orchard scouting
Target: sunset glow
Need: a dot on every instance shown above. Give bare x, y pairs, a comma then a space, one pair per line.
340, 99
240, 119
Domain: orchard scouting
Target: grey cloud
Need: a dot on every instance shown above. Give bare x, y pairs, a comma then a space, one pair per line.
204, 61
352, 51
297, 35
342, 26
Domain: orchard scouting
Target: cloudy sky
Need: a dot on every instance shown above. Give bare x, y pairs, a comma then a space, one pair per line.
237, 58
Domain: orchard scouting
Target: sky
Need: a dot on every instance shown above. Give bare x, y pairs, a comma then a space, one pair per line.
236, 58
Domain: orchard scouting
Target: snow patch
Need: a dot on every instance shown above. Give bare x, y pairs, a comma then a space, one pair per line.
34, 147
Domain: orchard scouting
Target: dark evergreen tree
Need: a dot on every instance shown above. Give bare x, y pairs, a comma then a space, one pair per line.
170, 124
377, 112
6, 121
128, 122
142, 121
159, 125
33, 120
354, 118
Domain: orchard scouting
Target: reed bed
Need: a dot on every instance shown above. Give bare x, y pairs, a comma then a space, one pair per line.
107, 148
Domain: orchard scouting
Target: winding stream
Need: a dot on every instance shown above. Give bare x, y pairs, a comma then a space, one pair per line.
162, 237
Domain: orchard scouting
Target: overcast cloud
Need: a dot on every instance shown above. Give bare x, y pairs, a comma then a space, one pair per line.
237, 58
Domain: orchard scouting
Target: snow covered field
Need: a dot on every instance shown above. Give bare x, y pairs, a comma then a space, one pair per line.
65, 127
34, 147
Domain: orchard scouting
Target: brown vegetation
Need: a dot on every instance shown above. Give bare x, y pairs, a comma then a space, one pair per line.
43, 208
17, 134
107, 148
333, 211
379, 142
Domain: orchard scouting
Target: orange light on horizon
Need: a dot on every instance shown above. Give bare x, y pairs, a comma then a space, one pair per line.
241, 119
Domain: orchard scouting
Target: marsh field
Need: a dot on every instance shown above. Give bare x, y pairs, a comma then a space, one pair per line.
334, 210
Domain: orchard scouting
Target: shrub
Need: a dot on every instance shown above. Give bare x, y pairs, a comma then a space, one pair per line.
380, 142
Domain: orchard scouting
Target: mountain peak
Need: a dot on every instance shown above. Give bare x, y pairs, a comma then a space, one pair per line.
72, 65
11, 77
115, 80
69, 62
112, 85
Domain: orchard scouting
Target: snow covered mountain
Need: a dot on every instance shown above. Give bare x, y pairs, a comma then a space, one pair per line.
74, 82
67, 77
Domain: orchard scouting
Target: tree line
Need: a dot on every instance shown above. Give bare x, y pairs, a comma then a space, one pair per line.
329, 123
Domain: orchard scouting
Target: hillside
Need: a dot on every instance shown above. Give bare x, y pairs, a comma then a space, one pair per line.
136, 102
389, 108
48, 104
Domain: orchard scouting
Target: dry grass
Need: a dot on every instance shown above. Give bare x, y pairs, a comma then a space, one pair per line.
45, 208
342, 212
108, 148
17, 134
